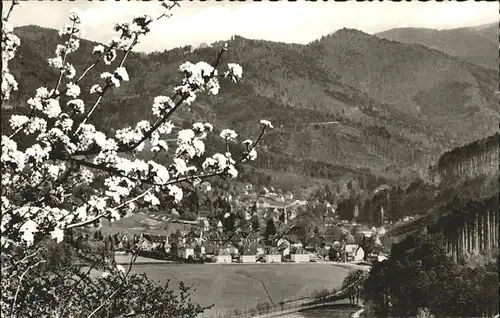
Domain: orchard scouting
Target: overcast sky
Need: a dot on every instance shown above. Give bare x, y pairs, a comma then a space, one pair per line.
298, 22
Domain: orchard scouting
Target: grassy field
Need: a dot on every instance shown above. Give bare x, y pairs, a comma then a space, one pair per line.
244, 285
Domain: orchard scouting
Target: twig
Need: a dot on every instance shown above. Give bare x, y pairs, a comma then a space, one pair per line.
61, 72
108, 85
88, 69
101, 95
108, 212
132, 262
14, 3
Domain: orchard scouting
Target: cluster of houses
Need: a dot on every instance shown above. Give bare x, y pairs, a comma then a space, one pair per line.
220, 248
202, 239
243, 248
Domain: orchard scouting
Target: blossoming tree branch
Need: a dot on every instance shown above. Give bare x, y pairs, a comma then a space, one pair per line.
69, 151
53, 151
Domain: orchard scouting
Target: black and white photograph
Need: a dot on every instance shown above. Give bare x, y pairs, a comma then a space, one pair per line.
250, 159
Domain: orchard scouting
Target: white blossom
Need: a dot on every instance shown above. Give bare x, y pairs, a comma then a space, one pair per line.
151, 198
74, 15
235, 72
159, 145
114, 214
161, 104
52, 108
98, 203
56, 62
232, 172
96, 89
180, 166
29, 228
121, 74
81, 212
198, 127
17, 121
165, 128
98, 49
10, 154
57, 234
109, 56
228, 134
111, 78
252, 155
185, 135
160, 173
199, 147
66, 124
37, 153
209, 127
77, 105
69, 70
10, 43
176, 192
266, 123
73, 90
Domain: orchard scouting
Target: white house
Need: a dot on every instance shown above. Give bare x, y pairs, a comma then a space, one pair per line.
350, 250
249, 255
247, 258
146, 245
167, 245
283, 241
223, 256
285, 250
204, 224
186, 251
273, 256
359, 255
299, 255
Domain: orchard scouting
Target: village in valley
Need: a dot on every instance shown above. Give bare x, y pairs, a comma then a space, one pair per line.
268, 232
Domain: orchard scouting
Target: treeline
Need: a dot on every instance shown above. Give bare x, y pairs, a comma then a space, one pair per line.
469, 160
419, 277
464, 181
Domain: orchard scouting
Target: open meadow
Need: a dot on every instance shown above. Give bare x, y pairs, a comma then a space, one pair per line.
242, 286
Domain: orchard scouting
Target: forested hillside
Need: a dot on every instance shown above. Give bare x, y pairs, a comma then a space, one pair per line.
347, 105
478, 44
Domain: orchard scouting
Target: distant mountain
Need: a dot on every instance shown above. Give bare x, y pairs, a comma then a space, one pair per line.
478, 44
455, 96
348, 105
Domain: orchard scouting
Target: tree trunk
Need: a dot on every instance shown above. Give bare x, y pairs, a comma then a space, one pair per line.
466, 228
470, 168
476, 233
462, 236
494, 229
